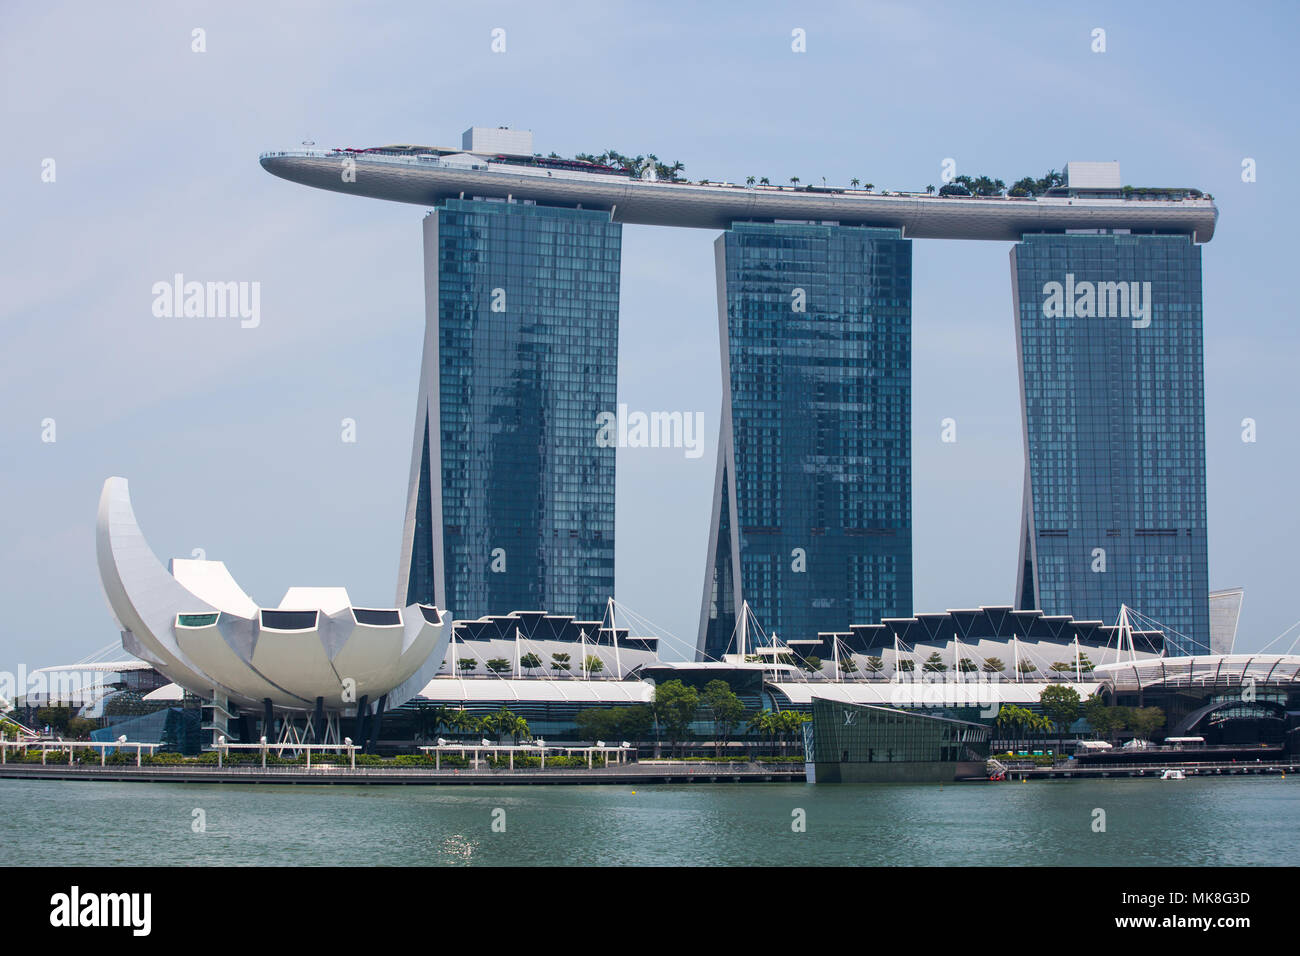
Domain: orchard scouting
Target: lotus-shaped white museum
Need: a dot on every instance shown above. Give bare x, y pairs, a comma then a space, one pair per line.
315, 651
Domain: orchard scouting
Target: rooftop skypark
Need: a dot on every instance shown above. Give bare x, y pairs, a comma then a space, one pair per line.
649, 167
500, 163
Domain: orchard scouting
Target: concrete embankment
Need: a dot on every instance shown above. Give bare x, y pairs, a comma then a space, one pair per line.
629, 774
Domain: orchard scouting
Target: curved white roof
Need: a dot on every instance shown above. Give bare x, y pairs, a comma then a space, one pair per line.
924, 693
455, 690
1202, 670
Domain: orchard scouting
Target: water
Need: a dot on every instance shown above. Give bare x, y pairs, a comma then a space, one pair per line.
1196, 822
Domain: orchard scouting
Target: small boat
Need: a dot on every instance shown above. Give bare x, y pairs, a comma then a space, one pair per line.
1173, 775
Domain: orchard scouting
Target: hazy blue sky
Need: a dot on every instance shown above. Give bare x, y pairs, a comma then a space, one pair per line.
231, 437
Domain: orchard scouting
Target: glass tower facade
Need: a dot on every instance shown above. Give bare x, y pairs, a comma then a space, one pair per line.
511, 503
812, 511
1109, 337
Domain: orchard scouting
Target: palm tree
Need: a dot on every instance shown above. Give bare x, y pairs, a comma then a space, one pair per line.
749, 180
794, 180
765, 722
869, 186
428, 720
790, 722
462, 722
1010, 719
854, 182
764, 181
929, 190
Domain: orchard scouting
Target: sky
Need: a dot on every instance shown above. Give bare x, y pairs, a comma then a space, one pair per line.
231, 437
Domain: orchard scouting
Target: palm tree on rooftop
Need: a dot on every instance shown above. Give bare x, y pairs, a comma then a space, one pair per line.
854, 182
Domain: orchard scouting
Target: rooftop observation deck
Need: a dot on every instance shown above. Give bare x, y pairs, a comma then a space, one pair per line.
423, 179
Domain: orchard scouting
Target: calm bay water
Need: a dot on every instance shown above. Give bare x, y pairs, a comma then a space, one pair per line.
1233, 822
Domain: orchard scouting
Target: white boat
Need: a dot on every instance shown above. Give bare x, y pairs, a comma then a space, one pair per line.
1173, 775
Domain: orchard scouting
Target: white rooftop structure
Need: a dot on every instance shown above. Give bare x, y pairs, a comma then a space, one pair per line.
494, 140
1093, 175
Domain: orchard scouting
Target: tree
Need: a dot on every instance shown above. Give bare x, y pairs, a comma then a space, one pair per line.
530, 662
1086, 666
766, 722
934, 664
749, 180
869, 186
594, 723
498, 665
764, 181
905, 665
848, 665
812, 664
794, 180
56, 718
462, 721
1062, 667
675, 707
1023, 187
1060, 704
725, 709
593, 665
1012, 720
967, 666
428, 720
875, 665
854, 182
1145, 721
929, 190
631, 723
790, 722
505, 722
1026, 667
79, 728
994, 665
559, 662
1103, 719
467, 663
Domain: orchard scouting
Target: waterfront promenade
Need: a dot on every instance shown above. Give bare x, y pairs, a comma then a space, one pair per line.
663, 771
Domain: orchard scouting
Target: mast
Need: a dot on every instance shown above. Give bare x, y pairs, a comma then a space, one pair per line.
744, 627
613, 630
